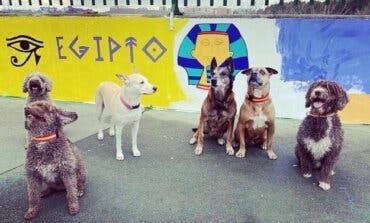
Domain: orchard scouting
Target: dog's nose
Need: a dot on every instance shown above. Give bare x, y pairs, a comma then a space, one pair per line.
317, 93
155, 88
214, 82
253, 77
34, 82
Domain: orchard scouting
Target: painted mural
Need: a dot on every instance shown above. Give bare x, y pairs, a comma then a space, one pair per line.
208, 40
177, 61
77, 53
326, 49
334, 49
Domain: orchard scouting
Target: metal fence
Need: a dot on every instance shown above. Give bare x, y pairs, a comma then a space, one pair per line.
155, 5
19, 4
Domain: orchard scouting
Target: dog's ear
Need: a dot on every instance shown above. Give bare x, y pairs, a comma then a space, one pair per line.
271, 70
25, 84
66, 117
123, 78
48, 83
230, 65
247, 71
308, 94
213, 64
342, 98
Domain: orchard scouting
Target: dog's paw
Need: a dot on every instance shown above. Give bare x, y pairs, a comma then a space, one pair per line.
323, 185
272, 155
192, 140
264, 146
119, 156
332, 173
136, 152
307, 175
100, 135
73, 209
229, 150
111, 132
221, 141
240, 153
80, 193
198, 150
30, 213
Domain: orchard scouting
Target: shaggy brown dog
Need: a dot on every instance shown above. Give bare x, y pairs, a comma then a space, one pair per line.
256, 124
320, 136
51, 159
38, 86
218, 109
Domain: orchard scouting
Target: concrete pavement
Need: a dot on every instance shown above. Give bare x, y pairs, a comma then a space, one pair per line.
170, 184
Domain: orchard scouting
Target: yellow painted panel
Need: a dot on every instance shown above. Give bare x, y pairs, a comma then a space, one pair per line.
357, 110
74, 78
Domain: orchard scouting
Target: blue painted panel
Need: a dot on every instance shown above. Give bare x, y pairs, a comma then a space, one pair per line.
335, 49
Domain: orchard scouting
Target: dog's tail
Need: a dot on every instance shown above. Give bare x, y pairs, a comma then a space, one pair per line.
99, 102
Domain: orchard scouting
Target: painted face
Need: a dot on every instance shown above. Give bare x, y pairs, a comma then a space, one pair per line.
210, 45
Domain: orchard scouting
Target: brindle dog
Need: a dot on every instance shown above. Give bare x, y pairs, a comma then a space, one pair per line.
218, 109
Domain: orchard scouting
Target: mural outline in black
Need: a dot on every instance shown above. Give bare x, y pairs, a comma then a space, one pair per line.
26, 44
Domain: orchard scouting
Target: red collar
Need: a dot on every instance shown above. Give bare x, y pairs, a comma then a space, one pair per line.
45, 138
259, 100
321, 116
127, 105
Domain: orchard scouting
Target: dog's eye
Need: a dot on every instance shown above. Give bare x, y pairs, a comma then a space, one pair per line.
39, 118
262, 72
142, 82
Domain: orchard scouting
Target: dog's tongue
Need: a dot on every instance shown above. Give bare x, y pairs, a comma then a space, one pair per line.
317, 104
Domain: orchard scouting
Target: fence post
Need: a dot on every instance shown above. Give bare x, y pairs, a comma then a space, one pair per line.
175, 8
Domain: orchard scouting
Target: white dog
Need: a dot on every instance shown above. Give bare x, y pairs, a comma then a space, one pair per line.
123, 106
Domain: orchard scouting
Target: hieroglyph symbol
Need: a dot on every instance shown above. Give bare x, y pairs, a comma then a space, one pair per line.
25, 45
154, 49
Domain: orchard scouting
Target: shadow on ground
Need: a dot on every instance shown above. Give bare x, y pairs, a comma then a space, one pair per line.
170, 184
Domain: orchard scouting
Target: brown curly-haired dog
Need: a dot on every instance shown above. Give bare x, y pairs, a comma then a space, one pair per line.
37, 85
320, 136
52, 160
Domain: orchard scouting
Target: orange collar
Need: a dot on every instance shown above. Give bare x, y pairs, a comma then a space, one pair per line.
45, 138
259, 100
321, 116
